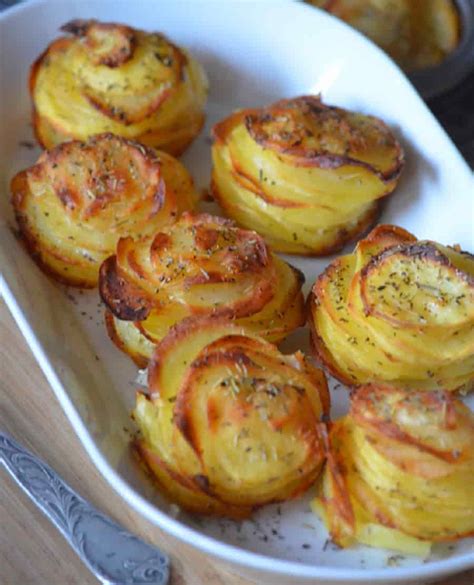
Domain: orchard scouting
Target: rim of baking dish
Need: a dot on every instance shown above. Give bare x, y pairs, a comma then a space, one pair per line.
195, 538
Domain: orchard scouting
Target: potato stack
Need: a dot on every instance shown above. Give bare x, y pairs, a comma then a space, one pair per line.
202, 264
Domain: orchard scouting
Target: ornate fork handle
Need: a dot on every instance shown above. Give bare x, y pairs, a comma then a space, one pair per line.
115, 556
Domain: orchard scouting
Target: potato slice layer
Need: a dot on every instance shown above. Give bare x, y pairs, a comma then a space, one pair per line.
107, 77
202, 264
399, 471
397, 310
229, 420
80, 198
307, 176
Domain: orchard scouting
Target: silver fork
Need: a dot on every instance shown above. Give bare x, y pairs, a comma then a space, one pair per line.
112, 554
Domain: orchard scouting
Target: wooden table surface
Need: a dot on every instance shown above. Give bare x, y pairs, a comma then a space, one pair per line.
32, 552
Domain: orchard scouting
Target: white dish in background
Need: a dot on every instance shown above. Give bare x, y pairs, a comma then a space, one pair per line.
254, 53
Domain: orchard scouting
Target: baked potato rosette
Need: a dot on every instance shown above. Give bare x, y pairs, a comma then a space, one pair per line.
202, 264
306, 176
415, 34
80, 198
399, 471
397, 310
229, 423
108, 77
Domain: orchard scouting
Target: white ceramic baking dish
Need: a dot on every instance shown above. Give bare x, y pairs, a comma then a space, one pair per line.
254, 52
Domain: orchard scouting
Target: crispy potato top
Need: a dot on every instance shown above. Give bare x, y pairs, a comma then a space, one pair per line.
308, 132
81, 197
398, 310
127, 74
111, 77
106, 43
436, 292
400, 468
233, 415
203, 262
435, 424
314, 133
307, 176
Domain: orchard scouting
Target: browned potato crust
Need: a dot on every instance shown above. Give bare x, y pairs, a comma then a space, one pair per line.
109, 77
307, 176
203, 264
230, 424
399, 470
80, 198
396, 310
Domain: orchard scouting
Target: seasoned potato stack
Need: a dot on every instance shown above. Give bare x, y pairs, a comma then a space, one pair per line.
399, 471
397, 310
109, 77
307, 176
202, 264
416, 34
81, 197
230, 423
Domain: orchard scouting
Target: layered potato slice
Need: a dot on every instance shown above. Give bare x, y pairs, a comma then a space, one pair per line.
416, 34
107, 77
202, 264
230, 423
80, 198
307, 176
399, 471
397, 310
